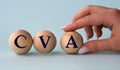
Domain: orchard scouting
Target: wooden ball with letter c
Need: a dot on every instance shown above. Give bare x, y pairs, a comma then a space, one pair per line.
20, 41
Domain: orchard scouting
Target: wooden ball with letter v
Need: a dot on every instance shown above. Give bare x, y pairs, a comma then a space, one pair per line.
44, 41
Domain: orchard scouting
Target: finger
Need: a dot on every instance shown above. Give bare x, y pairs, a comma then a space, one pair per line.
82, 13
98, 30
89, 20
91, 9
96, 46
89, 32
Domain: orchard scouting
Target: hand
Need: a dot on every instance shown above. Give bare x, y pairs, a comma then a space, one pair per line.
97, 17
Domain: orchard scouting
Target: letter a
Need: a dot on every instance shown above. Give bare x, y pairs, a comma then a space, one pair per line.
73, 42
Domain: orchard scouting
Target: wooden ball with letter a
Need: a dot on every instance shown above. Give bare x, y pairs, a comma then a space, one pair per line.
71, 42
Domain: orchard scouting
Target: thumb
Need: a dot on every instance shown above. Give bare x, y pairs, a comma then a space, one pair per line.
96, 46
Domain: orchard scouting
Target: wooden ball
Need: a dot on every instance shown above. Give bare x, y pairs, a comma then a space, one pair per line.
71, 42
44, 41
20, 41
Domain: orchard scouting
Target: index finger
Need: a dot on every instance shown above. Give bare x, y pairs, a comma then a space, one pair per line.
90, 20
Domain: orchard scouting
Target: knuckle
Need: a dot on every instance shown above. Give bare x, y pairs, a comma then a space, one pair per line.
93, 45
114, 11
112, 15
115, 44
98, 47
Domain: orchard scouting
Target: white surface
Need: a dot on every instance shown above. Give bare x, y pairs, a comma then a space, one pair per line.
59, 60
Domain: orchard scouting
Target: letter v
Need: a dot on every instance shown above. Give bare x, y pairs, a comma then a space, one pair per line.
43, 42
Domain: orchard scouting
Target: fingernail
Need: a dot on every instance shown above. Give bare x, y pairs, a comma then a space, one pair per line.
87, 37
73, 20
97, 37
63, 27
83, 50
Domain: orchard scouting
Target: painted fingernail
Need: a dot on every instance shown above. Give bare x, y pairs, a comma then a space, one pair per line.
63, 27
84, 50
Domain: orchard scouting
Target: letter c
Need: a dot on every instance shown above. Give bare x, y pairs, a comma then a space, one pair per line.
16, 39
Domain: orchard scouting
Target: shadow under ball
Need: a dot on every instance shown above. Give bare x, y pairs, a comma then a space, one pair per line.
71, 42
44, 41
20, 41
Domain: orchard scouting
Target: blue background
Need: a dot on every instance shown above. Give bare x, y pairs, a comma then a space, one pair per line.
36, 15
